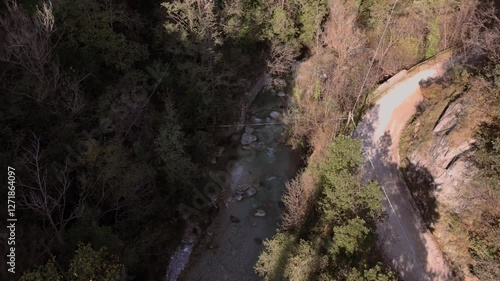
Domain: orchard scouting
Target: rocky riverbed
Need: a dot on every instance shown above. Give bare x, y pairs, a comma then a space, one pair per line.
260, 165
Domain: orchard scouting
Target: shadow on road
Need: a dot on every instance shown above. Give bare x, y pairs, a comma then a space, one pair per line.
402, 236
422, 186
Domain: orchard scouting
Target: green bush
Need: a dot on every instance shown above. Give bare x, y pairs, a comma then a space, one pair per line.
338, 238
433, 37
273, 260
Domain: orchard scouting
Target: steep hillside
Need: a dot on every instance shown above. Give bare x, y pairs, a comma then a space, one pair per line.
450, 160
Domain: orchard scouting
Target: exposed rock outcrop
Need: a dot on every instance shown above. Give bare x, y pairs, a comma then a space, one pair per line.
444, 155
447, 164
249, 97
449, 118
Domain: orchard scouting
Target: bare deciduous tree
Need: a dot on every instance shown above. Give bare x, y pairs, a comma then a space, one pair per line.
341, 31
28, 46
45, 196
299, 193
485, 32
280, 61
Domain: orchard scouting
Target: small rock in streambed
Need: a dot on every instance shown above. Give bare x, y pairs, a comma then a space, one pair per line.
234, 219
247, 138
281, 94
238, 197
248, 129
251, 191
257, 241
260, 146
242, 188
271, 178
274, 114
256, 120
260, 213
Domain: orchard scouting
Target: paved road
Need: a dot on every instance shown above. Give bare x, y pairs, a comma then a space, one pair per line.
405, 241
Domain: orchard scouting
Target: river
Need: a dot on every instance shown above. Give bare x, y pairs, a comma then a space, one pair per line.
231, 245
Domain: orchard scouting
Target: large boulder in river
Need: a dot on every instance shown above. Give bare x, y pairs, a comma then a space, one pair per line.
274, 114
247, 138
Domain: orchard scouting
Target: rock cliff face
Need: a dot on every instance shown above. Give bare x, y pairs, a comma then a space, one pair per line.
444, 155
436, 152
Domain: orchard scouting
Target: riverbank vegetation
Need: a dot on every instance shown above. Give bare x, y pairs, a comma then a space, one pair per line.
111, 110
337, 240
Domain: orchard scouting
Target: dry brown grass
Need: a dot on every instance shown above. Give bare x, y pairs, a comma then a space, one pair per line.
451, 234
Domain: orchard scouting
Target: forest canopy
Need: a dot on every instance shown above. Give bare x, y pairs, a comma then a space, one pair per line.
111, 110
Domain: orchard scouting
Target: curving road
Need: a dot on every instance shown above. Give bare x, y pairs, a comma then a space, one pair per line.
405, 241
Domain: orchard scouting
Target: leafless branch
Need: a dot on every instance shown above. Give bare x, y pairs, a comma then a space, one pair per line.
44, 197
280, 61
